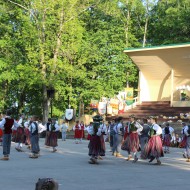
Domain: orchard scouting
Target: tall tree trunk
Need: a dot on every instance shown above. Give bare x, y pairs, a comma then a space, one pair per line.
46, 103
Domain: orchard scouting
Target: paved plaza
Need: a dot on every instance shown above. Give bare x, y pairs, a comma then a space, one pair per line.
69, 166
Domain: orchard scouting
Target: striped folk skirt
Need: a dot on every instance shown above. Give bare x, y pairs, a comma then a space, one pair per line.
153, 148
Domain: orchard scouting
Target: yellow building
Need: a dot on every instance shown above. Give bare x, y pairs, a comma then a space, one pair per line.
164, 73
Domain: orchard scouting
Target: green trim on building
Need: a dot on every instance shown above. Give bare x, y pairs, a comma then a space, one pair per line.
155, 47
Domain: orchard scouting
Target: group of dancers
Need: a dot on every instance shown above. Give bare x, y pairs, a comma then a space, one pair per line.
146, 138
28, 132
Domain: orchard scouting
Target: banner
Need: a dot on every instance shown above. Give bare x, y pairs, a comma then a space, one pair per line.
129, 96
69, 114
94, 104
102, 108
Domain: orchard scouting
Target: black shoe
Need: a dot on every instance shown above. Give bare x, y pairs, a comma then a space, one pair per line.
151, 159
135, 160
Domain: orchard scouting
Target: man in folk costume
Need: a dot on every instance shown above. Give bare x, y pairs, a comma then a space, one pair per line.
77, 130
144, 137
167, 136
153, 149
48, 130
187, 133
6, 125
95, 143
131, 144
64, 129
34, 137
117, 137
19, 136
55, 128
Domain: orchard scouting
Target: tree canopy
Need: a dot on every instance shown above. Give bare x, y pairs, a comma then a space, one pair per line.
76, 48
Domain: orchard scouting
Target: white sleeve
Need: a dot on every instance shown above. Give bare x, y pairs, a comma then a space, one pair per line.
158, 129
171, 130
2, 123
74, 128
185, 131
57, 127
99, 132
139, 127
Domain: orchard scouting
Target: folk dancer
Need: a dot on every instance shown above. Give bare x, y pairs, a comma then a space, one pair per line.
64, 129
77, 130
34, 137
184, 139
111, 125
144, 136
117, 137
55, 128
95, 143
27, 133
88, 129
153, 149
6, 125
82, 131
131, 144
187, 133
19, 136
167, 134
48, 130
103, 129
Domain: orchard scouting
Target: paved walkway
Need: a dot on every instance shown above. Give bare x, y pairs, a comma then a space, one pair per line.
69, 166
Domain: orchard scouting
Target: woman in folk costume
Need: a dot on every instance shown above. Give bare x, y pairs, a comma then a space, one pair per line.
131, 144
103, 130
48, 130
88, 129
27, 133
77, 130
19, 136
54, 135
153, 149
82, 126
95, 143
167, 136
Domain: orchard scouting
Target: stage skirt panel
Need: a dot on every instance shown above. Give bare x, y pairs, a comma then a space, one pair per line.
18, 135
94, 146
131, 143
166, 140
153, 148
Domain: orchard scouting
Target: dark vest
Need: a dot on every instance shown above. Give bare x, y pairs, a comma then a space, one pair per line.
48, 126
132, 127
8, 125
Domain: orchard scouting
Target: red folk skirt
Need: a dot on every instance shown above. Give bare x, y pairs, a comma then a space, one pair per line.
153, 148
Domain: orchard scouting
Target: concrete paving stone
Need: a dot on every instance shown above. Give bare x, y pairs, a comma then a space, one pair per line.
69, 166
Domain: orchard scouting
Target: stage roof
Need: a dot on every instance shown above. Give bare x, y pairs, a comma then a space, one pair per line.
157, 61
